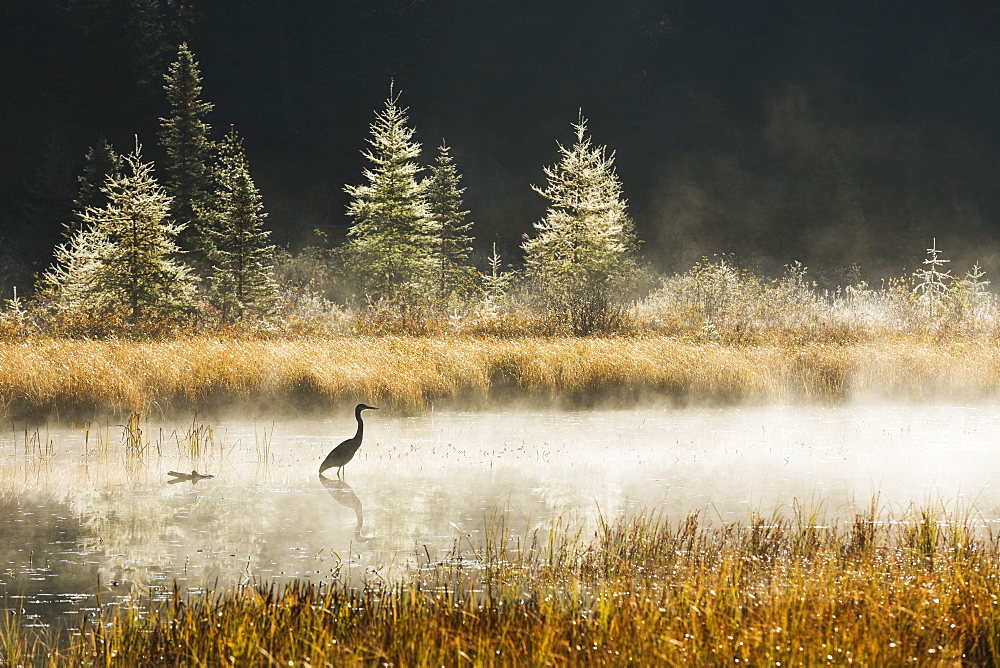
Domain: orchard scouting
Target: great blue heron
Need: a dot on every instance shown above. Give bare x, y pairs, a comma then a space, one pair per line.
344, 452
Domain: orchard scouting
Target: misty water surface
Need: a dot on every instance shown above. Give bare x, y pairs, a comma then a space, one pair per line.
78, 519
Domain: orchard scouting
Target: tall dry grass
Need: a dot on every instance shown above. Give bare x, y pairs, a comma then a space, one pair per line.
919, 588
68, 377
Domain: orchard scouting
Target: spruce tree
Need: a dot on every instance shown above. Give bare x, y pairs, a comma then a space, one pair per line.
184, 138
124, 256
242, 280
452, 231
229, 158
144, 34
390, 249
48, 202
934, 283
582, 255
100, 163
72, 280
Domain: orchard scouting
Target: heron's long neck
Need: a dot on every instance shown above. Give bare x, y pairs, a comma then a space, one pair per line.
361, 425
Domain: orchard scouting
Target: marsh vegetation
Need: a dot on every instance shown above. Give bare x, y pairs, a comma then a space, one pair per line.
874, 590
83, 378
652, 533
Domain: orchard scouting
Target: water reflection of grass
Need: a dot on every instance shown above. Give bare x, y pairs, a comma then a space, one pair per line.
70, 377
921, 587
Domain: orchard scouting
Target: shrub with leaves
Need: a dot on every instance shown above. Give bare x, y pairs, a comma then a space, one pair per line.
724, 295
716, 299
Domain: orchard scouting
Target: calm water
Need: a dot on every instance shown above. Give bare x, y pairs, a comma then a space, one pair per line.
81, 519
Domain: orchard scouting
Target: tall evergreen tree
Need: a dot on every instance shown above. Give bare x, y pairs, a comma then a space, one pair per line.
229, 158
582, 254
99, 164
144, 34
452, 231
48, 203
184, 138
390, 249
124, 256
242, 280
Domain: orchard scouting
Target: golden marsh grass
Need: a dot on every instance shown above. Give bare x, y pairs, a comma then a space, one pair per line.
919, 588
408, 372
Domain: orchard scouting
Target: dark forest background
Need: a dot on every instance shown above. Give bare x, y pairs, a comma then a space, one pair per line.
837, 134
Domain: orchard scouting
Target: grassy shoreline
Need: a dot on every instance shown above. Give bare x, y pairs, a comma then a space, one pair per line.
72, 378
921, 587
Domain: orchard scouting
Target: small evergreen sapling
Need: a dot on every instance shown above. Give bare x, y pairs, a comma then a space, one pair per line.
967, 296
496, 285
933, 284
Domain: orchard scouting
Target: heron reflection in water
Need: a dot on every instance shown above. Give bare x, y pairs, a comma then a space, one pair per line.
345, 496
344, 452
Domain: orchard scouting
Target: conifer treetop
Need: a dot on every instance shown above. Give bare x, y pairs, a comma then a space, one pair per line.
587, 211
391, 244
242, 280
585, 180
183, 84
451, 227
393, 152
101, 162
581, 256
185, 139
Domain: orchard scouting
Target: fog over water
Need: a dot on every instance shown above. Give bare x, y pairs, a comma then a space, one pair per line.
77, 511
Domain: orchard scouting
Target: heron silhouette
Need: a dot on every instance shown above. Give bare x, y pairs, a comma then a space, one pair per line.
344, 452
